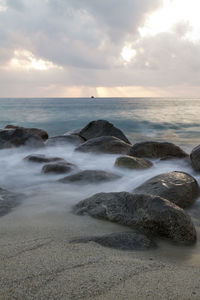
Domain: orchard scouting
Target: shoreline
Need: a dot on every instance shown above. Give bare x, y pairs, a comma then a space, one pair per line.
37, 261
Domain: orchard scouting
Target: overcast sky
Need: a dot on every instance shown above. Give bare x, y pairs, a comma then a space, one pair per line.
79, 48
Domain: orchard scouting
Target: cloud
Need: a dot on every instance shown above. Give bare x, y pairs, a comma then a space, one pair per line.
87, 43
76, 32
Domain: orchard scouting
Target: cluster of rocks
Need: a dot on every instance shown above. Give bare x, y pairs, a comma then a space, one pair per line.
154, 209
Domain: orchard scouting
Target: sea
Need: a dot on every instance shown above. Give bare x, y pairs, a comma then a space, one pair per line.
174, 120
171, 119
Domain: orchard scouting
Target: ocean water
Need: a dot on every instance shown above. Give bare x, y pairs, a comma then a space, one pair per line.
140, 118
174, 120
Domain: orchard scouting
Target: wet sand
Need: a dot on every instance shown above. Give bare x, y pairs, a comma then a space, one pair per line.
38, 262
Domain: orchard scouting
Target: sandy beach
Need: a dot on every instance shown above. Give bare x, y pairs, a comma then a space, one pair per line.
38, 262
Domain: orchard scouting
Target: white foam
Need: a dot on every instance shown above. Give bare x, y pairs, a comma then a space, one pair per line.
43, 192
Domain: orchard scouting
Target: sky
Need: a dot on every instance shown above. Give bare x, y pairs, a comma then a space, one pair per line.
105, 48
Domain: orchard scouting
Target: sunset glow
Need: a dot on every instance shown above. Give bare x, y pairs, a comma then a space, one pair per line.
172, 13
24, 59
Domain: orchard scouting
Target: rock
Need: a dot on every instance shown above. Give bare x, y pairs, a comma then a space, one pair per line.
130, 240
153, 214
19, 137
102, 128
8, 201
73, 132
41, 158
42, 133
130, 162
177, 187
195, 158
59, 168
73, 139
104, 144
156, 150
90, 176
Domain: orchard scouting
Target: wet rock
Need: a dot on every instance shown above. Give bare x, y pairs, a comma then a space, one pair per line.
73, 132
147, 212
156, 150
177, 187
129, 240
130, 162
36, 131
8, 201
195, 158
41, 158
105, 144
19, 137
90, 176
73, 139
59, 168
102, 128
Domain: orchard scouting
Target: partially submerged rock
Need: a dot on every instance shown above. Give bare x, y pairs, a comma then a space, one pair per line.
19, 137
36, 131
90, 176
195, 158
73, 132
41, 158
156, 150
8, 201
129, 240
152, 213
105, 144
177, 187
61, 140
59, 168
102, 128
130, 162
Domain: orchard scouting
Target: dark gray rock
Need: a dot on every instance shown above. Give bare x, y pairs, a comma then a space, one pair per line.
41, 158
151, 213
73, 139
156, 150
8, 201
59, 168
19, 137
102, 128
73, 132
130, 162
90, 176
104, 144
195, 158
129, 240
36, 131
177, 187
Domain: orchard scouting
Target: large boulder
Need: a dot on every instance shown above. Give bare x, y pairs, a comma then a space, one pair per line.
59, 168
41, 158
90, 176
62, 140
73, 132
156, 150
42, 133
19, 137
102, 128
130, 162
105, 144
153, 214
195, 158
177, 187
129, 240
8, 200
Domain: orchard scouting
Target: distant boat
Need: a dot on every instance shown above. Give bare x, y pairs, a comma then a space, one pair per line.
92, 97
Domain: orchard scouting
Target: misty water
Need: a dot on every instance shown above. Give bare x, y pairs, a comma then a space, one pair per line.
171, 120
